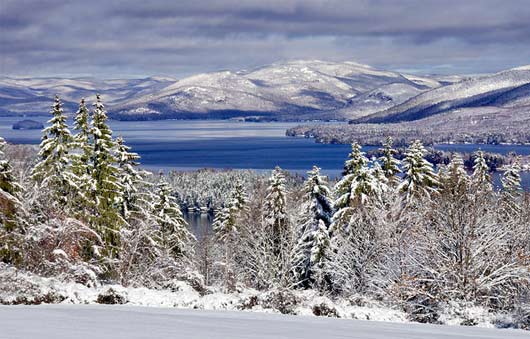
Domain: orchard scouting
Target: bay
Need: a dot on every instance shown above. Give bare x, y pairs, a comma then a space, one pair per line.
193, 144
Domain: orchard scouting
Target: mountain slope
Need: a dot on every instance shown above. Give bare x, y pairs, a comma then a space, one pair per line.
27, 96
295, 90
290, 91
509, 88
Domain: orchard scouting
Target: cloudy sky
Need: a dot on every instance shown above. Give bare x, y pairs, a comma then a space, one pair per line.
114, 38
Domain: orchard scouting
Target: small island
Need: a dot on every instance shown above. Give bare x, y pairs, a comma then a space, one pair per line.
28, 124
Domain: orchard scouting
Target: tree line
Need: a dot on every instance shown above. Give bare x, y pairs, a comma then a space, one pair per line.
394, 230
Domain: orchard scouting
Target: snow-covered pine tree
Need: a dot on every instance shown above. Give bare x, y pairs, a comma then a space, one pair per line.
382, 181
354, 190
419, 179
390, 165
81, 158
225, 222
455, 179
312, 247
511, 188
133, 200
275, 210
107, 190
54, 168
355, 243
481, 178
226, 230
356, 160
81, 139
173, 234
10, 191
276, 236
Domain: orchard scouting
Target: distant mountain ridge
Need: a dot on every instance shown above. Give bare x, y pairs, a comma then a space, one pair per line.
506, 89
296, 90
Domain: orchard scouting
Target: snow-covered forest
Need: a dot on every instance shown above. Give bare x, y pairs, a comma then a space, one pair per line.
399, 234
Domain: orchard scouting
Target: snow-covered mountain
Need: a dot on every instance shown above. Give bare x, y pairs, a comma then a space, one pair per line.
292, 91
27, 96
504, 90
295, 90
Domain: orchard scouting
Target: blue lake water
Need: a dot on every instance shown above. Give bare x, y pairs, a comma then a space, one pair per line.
191, 144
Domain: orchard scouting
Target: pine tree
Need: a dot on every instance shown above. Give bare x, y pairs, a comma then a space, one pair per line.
173, 234
81, 162
512, 189
133, 202
54, 168
420, 179
10, 204
356, 160
357, 186
480, 177
107, 190
226, 230
312, 247
10, 191
276, 235
225, 223
390, 165
455, 180
275, 209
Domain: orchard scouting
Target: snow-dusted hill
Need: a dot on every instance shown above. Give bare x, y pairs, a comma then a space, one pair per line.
507, 89
292, 90
27, 96
295, 90
116, 322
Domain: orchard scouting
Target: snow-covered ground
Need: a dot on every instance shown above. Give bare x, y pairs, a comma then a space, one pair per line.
96, 321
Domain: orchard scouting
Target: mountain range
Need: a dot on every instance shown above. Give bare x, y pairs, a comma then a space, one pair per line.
296, 91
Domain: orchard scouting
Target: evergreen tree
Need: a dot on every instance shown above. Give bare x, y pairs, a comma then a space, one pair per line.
312, 247
54, 168
81, 162
455, 179
382, 182
225, 227
173, 234
276, 237
420, 179
107, 190
356, 160
10, 204
512, 189
390, 165
275, 209
10, 191
355, 189
481, 178
133, 201
225, 223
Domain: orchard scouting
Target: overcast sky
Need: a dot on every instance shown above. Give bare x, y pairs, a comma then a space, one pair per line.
114, 38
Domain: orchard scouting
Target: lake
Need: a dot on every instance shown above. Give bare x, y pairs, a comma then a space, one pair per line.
192, 144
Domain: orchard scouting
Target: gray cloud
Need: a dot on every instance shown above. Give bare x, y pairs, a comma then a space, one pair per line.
138, 38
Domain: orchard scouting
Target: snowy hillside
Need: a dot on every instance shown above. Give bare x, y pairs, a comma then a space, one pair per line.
26, 96
291, 90
116, 322
509, 88
295, 90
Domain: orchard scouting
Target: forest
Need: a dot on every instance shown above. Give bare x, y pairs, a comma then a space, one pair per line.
399, 232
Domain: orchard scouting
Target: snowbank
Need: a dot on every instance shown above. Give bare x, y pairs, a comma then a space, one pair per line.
28, 289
